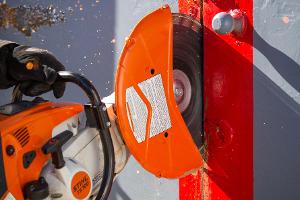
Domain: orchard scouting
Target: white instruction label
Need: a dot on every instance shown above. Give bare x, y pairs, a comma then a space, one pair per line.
137, 114
137, 111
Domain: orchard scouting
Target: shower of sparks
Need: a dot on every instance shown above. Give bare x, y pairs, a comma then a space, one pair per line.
28, 19
113, 41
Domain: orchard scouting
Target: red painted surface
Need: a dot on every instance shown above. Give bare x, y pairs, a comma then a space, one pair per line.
189, 7
228, 103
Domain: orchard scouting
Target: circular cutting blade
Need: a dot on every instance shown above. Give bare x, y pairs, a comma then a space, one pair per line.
187, 74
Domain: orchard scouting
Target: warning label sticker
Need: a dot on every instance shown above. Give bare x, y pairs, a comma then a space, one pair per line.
153, 89
160, 121
137, 114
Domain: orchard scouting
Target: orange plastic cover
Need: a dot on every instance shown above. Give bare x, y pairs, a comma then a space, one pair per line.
27, 131
150, 122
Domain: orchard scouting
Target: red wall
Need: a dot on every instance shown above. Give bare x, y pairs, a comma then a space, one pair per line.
228, 103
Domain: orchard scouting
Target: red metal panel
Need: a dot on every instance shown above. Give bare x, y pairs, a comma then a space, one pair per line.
228, 98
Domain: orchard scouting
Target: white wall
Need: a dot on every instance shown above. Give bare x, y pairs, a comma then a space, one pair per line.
276, 99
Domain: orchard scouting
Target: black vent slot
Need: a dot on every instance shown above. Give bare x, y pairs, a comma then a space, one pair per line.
22, 136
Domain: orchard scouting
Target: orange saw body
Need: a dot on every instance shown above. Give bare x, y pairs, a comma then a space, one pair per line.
26, 132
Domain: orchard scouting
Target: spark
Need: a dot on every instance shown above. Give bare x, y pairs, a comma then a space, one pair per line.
70, 9
113, 41
285, 19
